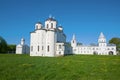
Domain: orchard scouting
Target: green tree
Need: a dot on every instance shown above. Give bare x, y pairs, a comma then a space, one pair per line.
11, 48
115, 41
3, 45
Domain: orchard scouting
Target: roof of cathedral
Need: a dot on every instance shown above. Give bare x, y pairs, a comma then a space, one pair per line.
101, 35
51, 19
39, 22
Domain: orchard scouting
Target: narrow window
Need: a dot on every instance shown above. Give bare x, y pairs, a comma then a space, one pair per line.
48, 48
59, 46
59, 52
51, 25
38, 48
47, 25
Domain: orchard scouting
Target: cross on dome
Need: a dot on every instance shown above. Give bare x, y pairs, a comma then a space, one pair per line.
50, 16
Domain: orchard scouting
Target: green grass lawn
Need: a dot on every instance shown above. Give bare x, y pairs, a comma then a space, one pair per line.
74, 67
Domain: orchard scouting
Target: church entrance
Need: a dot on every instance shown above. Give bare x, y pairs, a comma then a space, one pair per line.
95, 53
110, 52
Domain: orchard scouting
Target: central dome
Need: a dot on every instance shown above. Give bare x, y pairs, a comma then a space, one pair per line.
50, 19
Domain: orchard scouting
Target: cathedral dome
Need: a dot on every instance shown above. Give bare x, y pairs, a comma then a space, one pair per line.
22, 39
38, 25
60, 28
51, 19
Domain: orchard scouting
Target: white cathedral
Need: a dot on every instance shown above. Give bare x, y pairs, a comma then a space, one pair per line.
50, 40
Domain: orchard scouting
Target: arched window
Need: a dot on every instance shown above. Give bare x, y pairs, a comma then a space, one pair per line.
95, 53
51, 25
59, 52
48, 48
38, 48
47, 25
111, 52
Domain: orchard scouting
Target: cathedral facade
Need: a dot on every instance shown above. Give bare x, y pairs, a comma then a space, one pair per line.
48, 40
102, 48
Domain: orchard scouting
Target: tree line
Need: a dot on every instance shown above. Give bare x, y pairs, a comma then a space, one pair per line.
11, 48
6, 48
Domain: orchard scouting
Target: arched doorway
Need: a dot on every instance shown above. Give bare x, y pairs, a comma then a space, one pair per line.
110, 52
95, 53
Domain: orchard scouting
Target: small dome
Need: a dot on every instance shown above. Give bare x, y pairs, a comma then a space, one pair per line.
38, 25
22, 39
60, 28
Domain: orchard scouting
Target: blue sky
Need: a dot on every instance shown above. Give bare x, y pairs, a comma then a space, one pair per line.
85, 18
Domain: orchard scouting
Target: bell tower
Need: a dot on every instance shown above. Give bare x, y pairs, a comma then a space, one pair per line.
73, 41
102, 40
22, 41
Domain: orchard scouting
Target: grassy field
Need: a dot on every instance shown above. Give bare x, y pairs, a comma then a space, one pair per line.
74, 67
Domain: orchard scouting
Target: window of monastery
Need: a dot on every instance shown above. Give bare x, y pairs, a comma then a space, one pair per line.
59, 52
48, 48
51, 25
38, 48
112, 48
73, 41
47, 25
60, 46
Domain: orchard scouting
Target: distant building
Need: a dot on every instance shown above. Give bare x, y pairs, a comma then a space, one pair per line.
101, 49
22, 48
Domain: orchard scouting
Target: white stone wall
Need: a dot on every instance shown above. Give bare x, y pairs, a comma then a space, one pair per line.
43, 40
60, 48
22, 48
101, 49
19, 49
50, 43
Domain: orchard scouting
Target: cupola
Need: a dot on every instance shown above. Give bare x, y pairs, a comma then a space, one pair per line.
38, 25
